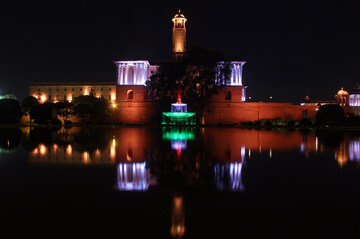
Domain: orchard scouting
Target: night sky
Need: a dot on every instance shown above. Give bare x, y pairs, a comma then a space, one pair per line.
292, 48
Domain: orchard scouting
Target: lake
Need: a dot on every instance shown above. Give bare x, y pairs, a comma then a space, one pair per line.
153, 182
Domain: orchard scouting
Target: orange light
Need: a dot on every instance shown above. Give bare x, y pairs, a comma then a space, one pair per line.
69, 150
42, 149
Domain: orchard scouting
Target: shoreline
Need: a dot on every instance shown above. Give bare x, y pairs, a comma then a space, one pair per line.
262, 127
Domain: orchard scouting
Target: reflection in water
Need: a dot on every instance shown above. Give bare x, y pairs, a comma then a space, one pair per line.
66, 154
215, 154
178, 137
354, 149
228, 176
177, 229
9, 139
133, 177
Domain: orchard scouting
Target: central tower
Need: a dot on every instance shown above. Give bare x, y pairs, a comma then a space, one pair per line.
179, 36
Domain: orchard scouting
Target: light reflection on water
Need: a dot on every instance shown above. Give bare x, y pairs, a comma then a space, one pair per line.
138, 152
221, 145
183, 158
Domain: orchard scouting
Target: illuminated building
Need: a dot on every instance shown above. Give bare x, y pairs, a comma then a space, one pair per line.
131, 103
67, 91
342, 97
354, 98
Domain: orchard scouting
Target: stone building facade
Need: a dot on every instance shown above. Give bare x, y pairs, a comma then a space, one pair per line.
132, 104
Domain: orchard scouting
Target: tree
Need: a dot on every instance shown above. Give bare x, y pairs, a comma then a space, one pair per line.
10, 111
200, 75
27, 104
89, 106
64, 110
330, 114
42, 113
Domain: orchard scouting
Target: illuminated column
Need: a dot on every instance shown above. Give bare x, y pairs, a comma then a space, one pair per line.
237, 74
126, 74
122, 74
119, 74
240, 74
139, 74
143, 78
233, 74
134, 74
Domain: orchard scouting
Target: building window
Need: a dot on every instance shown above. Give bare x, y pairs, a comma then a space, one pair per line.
102, 89
38, 89
49, 97
49, 89
228, 95
130, 95
80, 89
73, 89
57, 89
64, 89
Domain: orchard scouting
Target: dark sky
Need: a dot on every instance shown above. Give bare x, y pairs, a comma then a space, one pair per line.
291, 48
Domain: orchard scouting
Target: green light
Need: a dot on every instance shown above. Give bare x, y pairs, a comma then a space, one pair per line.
176, 134
182, 115
176, 118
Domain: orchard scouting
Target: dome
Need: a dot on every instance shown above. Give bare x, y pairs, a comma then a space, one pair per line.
342, 92
179, 15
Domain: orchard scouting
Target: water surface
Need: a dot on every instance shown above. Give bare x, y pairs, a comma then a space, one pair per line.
178, 182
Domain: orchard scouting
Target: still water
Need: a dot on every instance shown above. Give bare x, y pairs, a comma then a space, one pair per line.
143, 182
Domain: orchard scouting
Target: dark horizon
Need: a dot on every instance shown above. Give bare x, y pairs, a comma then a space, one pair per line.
291, 51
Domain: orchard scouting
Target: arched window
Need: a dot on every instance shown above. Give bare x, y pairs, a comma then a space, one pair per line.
228, 95
130, 95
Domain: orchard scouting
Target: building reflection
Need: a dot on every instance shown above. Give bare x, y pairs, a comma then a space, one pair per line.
211, 155
228, 177
66, 154
354, 149
134, 177
177, 229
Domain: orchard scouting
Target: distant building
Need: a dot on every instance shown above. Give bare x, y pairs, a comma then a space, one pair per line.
342, 97
354, 98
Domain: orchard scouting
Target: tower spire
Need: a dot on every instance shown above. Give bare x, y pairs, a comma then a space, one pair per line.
179, 36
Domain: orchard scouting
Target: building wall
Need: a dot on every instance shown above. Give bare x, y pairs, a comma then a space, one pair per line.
134, 105
235, 113
230, 94
68, 91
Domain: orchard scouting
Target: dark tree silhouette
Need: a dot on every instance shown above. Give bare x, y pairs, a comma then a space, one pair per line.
64, 109
42, 113
330, 114
27, 105
87, 106
10, 111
